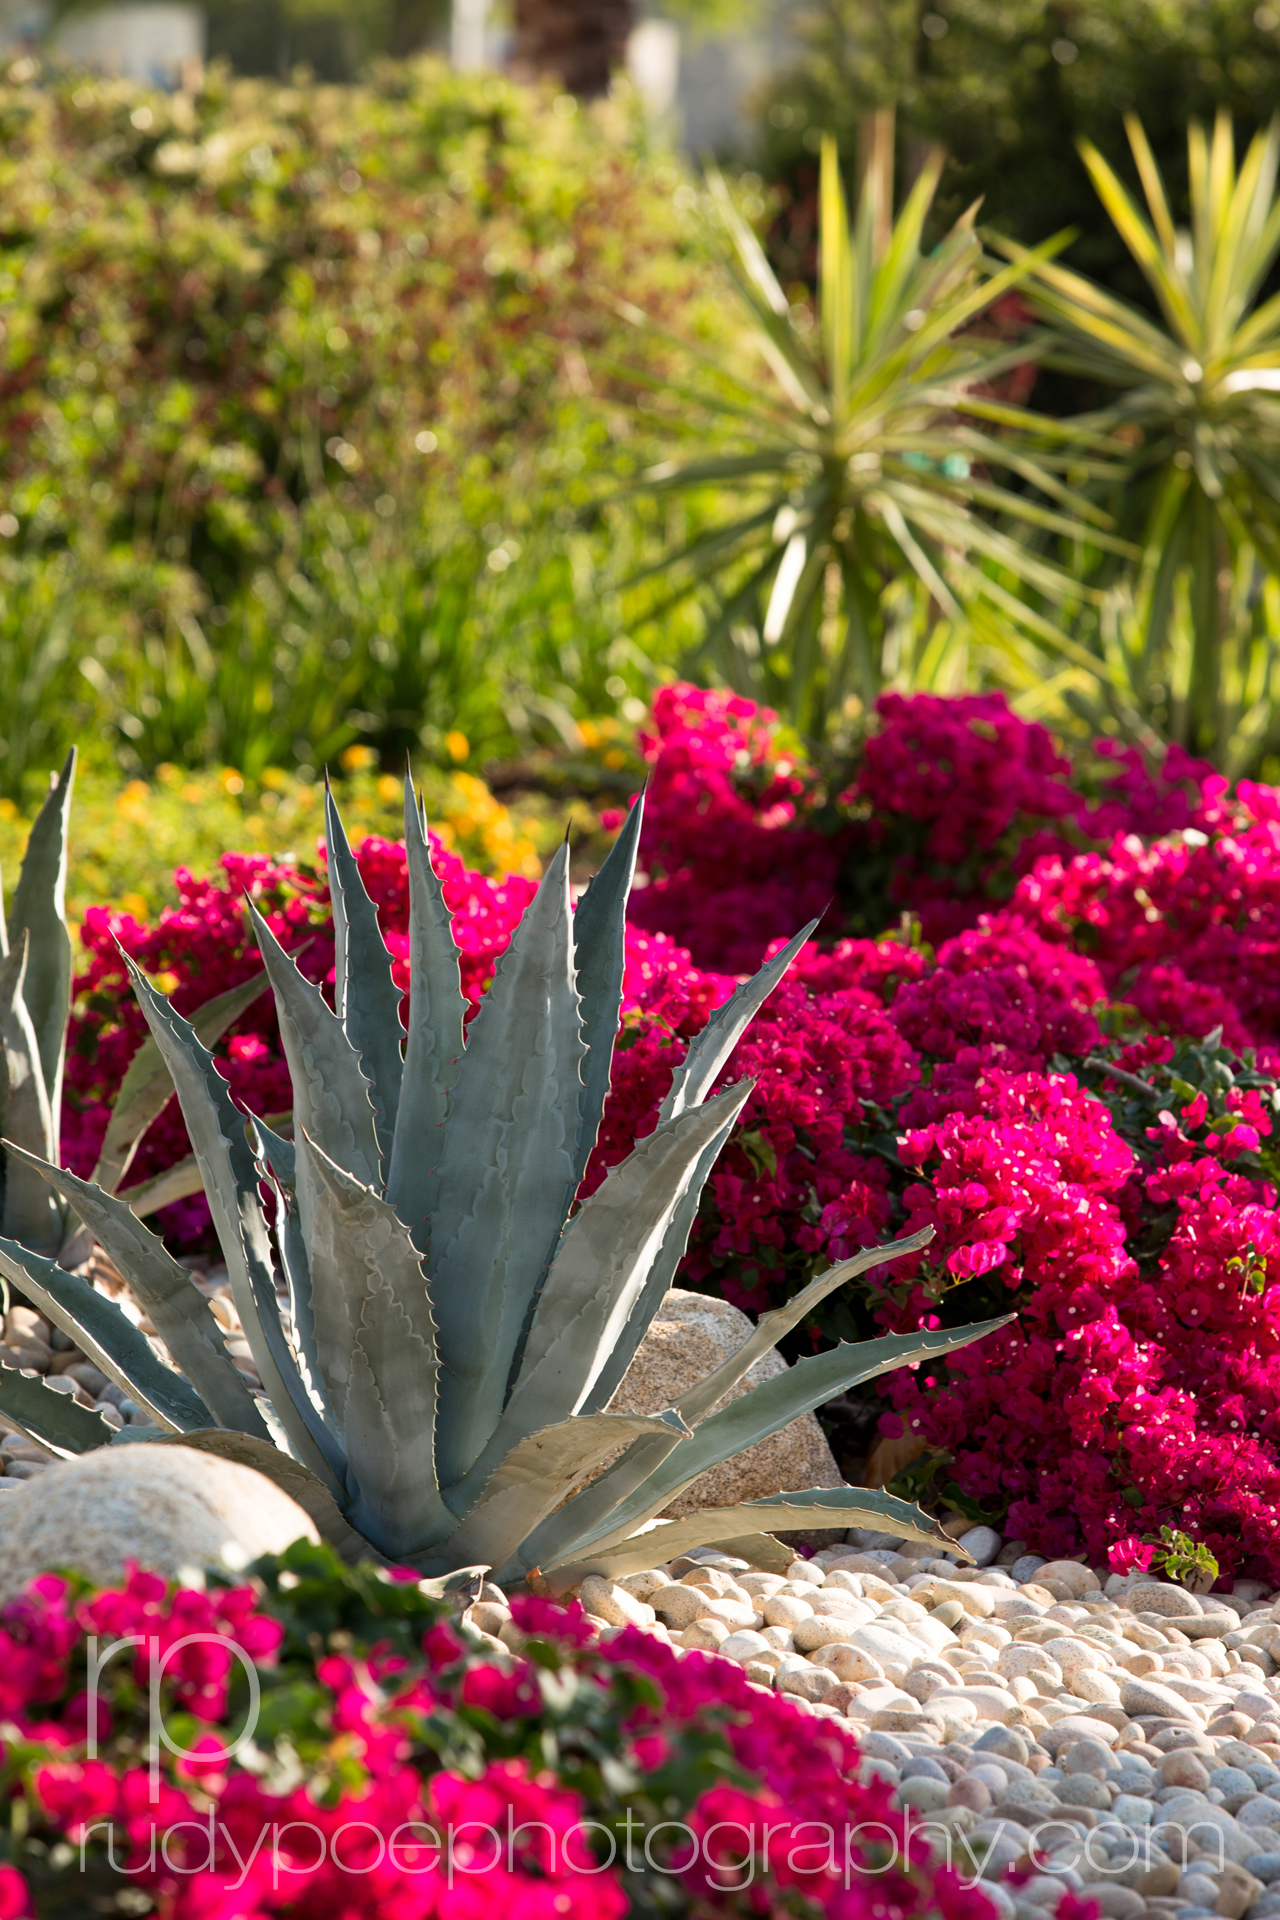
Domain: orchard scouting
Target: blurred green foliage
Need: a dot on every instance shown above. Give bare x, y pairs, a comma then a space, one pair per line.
302, 433
1008, 87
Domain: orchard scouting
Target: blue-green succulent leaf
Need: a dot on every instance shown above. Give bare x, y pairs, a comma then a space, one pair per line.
774, 1404
506, 1167
52, 1419
107, 1335
147, 1086
366, 997
779, 1512
377, 1345
539, 1472
217, 1394
230, 1173
30, 1212
602, 1263
40, 908
599, 943
709, 1050
433, 1048
331, 1092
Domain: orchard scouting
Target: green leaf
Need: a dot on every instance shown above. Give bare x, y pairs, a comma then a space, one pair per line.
146, 1085
662, 1272
771, 1327
507, 1164
31, 1213
311, 1494
281, 1153
774, 1404
40, 908
52, 1419
162, 1189
366, 997
601, 1268
539, 1472
779, 1512
331, 1102
433, 1049
599, 942
176, 1308
217, 1132
709, 1050
376, 1344
101, 1330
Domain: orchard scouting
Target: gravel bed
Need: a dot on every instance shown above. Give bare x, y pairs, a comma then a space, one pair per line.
1115, 1735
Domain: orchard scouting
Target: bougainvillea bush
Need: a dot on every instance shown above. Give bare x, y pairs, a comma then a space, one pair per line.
1040, 1013
392, 1765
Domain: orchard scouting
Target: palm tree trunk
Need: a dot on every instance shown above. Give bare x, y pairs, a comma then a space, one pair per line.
580, 43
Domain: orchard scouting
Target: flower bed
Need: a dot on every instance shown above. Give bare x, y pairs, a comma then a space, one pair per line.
393, 1766
1030, 1064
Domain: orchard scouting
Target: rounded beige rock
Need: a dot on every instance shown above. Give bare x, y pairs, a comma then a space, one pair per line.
1023, 1657
848, 1662
170, 1508
614, 1604
785, 1610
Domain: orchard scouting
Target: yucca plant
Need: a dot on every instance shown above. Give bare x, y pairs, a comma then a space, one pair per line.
870, 456
1188, 644
437, 1385
35, 1004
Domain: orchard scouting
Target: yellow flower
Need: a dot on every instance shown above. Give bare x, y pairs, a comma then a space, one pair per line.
355, 759
458, 744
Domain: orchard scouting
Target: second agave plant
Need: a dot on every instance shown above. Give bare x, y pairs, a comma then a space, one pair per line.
438, 1326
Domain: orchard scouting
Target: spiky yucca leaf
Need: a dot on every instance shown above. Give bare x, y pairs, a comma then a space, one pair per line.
438, 1382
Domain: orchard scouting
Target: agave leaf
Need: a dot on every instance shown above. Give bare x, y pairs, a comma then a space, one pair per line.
661, 1273
625, 1553
290, 1476
217, 1131
172, 1183
600, 1268
540, 1472
433, 1049
52, 1419
302, 1321
40, 908
507, 1164
178, 1310
330, 1090
447, 1583
282, 1153
109, 1337
599, 941
771, 1327
753, 1416
377, 1351
367, 999
761, 1550
146, 1085
31, 1213
709, 1049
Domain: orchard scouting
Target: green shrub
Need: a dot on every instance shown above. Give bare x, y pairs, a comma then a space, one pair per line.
300, 441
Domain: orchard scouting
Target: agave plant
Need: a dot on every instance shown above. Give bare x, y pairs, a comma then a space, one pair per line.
1189, 642
436, 1386
869, 457
35, 1002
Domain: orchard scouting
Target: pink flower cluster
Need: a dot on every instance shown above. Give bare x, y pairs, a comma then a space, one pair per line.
387, 1826
1073, 909
721, 803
